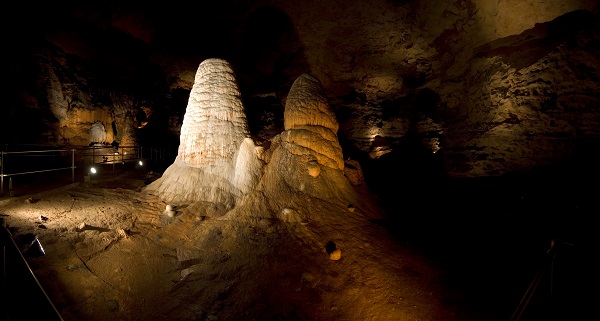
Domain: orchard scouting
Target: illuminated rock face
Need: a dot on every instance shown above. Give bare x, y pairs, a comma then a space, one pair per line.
217, 161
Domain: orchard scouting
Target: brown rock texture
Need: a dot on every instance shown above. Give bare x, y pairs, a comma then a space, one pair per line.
453, 77
310, 124
306, 158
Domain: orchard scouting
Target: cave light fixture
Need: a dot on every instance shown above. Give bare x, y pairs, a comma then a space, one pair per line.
139, 164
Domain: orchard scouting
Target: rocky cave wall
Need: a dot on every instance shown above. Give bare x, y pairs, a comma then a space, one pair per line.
485, 88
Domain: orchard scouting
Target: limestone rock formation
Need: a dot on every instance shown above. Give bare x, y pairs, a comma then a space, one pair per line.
353, 170
217, 161
304, 186
97, 133
220, 171
307, 158
310, 124
55, 100
524, 103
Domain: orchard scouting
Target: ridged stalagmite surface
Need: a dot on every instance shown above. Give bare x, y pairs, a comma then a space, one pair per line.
310, 124
306, 106
216, 161
214, 123
306, 158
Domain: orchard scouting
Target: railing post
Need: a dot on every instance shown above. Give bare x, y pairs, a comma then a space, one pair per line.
4, 283
72, 165
1, 172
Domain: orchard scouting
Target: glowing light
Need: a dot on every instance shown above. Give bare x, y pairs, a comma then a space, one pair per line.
140, 163
92, 170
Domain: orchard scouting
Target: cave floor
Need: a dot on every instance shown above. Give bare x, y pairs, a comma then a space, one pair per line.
111, 253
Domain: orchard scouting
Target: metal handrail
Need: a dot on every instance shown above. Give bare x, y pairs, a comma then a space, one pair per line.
3, 165
20, 285
119, 158
33, 172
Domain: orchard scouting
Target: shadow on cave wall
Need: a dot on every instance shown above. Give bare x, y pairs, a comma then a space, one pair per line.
270, 59
411, 172
162, 129
271, 55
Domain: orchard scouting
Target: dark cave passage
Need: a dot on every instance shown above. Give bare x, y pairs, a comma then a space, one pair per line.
493, 235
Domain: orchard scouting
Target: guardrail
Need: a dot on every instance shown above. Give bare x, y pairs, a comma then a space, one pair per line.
49, 159
3, 162
23, 296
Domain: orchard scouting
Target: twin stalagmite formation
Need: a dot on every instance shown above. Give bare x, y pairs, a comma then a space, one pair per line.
218, 162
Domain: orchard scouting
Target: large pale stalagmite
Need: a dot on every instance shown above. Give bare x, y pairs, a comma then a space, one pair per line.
216, 161
214, 124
